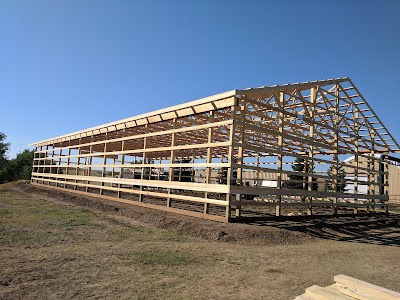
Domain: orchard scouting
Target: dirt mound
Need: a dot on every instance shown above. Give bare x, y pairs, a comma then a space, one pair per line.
190, 226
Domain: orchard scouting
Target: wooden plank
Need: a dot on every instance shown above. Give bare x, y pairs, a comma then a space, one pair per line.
325, 294
304, 204
136, 166
213, 188
356, 294
266, 191
355, 284
305, 297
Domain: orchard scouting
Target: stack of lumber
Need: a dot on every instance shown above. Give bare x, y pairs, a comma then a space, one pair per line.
348, 288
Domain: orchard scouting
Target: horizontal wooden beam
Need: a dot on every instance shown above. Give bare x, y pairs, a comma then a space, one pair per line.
147, 150
142, 204
141, 192
139, 165
143, 135
235, 203
212, 188
268, 191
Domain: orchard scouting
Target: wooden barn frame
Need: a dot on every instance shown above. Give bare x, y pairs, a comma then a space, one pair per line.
231, 155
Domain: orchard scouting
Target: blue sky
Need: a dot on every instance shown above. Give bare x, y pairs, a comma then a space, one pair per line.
69, 65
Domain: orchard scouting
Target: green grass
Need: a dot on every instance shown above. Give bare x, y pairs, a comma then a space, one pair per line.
28, 221
64, 216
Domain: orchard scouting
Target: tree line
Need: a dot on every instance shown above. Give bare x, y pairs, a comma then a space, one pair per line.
300, 182
17, 168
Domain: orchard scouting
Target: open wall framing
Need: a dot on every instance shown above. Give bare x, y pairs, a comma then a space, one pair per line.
231, 155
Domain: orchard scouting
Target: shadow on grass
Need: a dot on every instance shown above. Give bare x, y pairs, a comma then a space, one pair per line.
375, 230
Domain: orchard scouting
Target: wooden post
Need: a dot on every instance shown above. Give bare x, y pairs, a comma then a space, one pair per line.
90, 165
240, 155
49, 165
68, 163
159, 169
45, 160
51, 162
386, 184
258, 170
281, 118
171, 160
230, 160
104, 168
122, 165
356, 157
371, 172
335, 155
313, 96
77, 163
34, 163
59, 164
146, 130
209, 160
112, 169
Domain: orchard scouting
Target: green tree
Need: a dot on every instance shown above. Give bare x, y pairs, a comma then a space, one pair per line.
148, 171
184, 174
341, 181
4, 147
21, 166
298, 181
222, 175
17, 168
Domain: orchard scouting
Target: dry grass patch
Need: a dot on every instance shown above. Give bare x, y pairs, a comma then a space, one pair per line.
52, 249
160, 257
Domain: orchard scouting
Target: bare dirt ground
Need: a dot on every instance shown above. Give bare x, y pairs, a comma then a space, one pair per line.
56, 245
